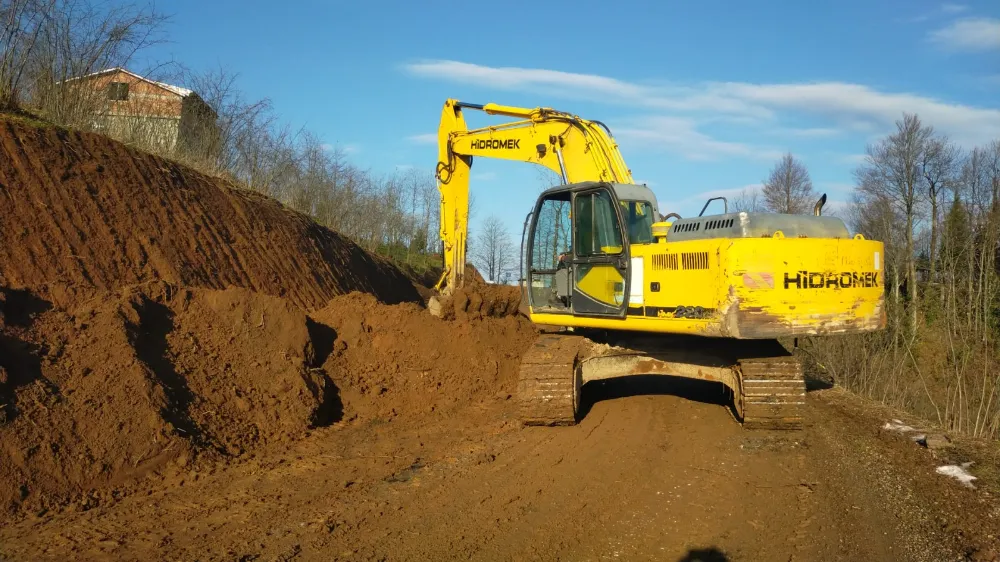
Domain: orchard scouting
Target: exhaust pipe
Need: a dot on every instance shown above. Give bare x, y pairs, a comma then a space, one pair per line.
818, 209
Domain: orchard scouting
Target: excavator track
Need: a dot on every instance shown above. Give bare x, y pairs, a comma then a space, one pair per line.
768, 382
773, 393
548, 388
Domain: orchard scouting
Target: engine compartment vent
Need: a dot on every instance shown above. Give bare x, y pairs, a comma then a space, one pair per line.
694, 260
664, 261
719, 223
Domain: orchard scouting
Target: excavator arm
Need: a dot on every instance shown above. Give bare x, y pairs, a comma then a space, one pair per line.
577, 149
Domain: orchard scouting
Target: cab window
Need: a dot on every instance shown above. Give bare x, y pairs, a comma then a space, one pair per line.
639, 218
596, 225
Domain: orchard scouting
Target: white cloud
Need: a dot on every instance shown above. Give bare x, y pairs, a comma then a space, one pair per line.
681, 136
807, 132
516, 78
587, 86
426, 138
845, 106
969, 34
816, 132
953, 8
853, 159
855, 102
346, 149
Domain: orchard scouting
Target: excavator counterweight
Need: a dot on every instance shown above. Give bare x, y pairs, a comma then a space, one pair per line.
627, 285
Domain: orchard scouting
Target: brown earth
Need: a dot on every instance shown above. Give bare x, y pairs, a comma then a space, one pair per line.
80, 213
142, 380
153, 321
657, 470
480, 300
189, 371
155, 379
398, 360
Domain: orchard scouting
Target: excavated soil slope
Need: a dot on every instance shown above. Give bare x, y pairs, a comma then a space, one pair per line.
155, 380
79, 212
124, 384
397, 360
155, 323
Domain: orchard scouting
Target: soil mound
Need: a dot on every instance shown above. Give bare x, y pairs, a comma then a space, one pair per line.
393, 360
144, 380
153, 322
478, 299
157, 380
80, 213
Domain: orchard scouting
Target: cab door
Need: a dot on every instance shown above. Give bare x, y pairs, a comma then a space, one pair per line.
600, 254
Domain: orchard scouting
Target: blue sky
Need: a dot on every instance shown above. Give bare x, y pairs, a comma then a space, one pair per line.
701, 96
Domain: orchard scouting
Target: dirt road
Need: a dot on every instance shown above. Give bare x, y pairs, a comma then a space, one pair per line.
657, 470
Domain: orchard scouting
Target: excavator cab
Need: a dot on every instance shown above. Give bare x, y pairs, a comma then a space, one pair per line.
578, 249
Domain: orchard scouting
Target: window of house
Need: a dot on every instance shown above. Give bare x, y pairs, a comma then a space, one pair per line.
118, 91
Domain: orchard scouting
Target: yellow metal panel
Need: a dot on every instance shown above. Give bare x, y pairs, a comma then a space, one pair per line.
674, 326
757, 288
602, 282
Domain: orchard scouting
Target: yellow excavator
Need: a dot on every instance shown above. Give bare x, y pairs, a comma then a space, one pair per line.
633, 292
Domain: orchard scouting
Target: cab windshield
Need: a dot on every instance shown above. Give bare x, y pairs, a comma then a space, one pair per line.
639, 219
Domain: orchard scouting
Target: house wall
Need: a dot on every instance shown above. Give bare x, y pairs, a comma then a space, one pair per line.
153, 117
158, 134
143, 99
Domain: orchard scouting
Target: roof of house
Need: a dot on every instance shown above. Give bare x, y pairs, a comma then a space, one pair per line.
182, 92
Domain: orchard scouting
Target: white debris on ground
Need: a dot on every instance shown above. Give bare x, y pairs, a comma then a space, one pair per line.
897, 425
929, 440
958, 473
935, 441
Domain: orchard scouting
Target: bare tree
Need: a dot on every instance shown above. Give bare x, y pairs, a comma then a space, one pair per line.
938, 166
891, 172
80, 37
494, 253
749, 200
788, 188
21, 22
546, 178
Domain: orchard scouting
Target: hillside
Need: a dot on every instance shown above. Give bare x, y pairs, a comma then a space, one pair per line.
81, 213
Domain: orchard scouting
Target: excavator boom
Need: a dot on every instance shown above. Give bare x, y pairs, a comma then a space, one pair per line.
575, 148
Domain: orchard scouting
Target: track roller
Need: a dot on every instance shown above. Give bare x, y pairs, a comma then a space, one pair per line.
773, 393
550, 381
